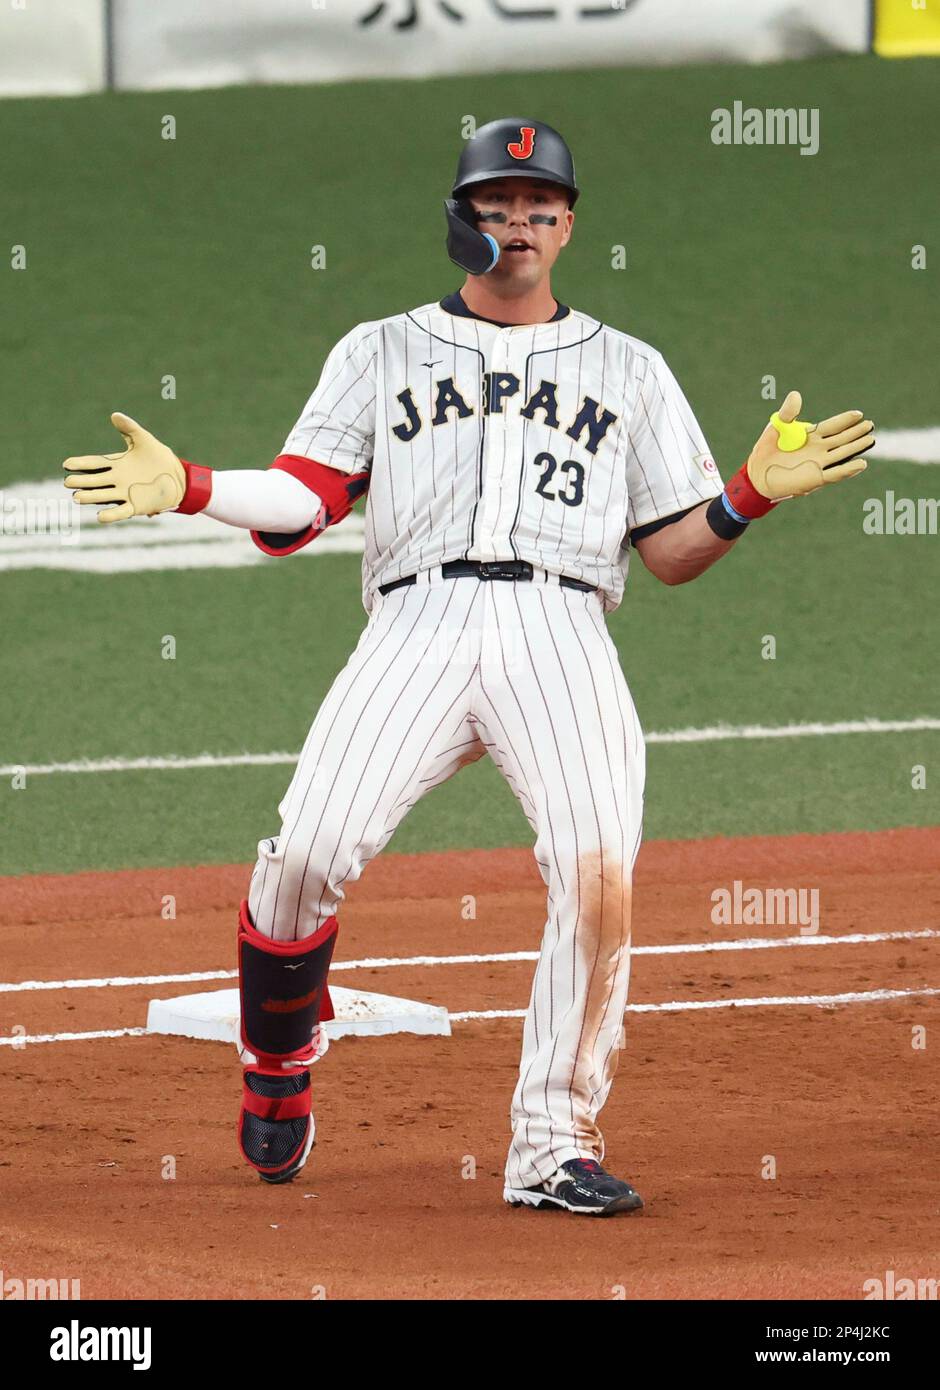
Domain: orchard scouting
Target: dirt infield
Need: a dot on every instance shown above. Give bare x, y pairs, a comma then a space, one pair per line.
836, 1094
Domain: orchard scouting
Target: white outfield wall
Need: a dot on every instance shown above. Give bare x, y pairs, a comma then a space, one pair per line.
66, 47
52, 47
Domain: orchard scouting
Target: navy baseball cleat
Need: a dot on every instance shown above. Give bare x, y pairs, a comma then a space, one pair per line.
276, 1129
580, 1185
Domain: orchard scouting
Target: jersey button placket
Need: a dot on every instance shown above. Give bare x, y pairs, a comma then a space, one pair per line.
493, 453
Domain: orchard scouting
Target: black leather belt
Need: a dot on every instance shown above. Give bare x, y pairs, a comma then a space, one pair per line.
488, 569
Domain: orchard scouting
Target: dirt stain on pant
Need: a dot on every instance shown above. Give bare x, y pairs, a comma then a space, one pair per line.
603, 943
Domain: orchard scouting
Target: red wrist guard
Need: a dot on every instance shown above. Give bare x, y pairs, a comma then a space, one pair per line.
744, 497
198, 488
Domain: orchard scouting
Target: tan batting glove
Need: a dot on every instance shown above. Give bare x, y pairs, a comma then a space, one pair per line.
793, 457
146, 479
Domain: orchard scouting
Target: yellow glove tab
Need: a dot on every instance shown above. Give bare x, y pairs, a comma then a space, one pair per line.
146, 479
791, 434
793, 457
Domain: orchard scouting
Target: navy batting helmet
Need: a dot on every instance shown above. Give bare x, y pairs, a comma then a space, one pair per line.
508, 148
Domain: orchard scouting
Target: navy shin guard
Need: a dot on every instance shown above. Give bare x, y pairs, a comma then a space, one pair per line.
284, 993
284, 998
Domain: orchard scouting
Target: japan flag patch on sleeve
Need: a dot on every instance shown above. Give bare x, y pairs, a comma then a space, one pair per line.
706, 465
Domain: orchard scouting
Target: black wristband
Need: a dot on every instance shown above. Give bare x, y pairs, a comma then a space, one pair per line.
724, 526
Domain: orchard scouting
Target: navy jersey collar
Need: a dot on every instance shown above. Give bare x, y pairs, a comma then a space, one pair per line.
454, 304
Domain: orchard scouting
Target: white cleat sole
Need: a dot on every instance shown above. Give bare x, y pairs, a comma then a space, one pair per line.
531, 1197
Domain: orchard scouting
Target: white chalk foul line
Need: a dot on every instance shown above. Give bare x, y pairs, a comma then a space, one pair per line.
908, 446
493, 958
719, 733
678, 949
118, 981
171, 763
75, 1037
716, 733
874, 996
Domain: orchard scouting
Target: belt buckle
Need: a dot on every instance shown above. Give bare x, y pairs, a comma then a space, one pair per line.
502, 569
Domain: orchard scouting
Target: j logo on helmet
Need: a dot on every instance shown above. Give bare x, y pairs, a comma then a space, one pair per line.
523, 147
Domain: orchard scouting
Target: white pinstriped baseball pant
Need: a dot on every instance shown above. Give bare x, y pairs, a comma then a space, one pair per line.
444, 671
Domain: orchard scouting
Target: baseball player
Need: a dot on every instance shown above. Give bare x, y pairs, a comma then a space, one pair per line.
512, 452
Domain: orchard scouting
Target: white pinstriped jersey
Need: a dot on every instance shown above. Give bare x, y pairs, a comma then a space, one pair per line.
545, 442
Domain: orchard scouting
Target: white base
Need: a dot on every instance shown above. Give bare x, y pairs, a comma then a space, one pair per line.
217, 1015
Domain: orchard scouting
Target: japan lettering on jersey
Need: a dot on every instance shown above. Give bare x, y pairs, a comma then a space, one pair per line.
545, 442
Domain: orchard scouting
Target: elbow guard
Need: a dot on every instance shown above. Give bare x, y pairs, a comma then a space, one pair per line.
337, 492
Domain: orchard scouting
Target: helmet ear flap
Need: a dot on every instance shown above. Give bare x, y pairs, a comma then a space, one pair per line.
474, 251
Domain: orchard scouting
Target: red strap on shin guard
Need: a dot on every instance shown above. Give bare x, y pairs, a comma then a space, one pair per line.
276, 1107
